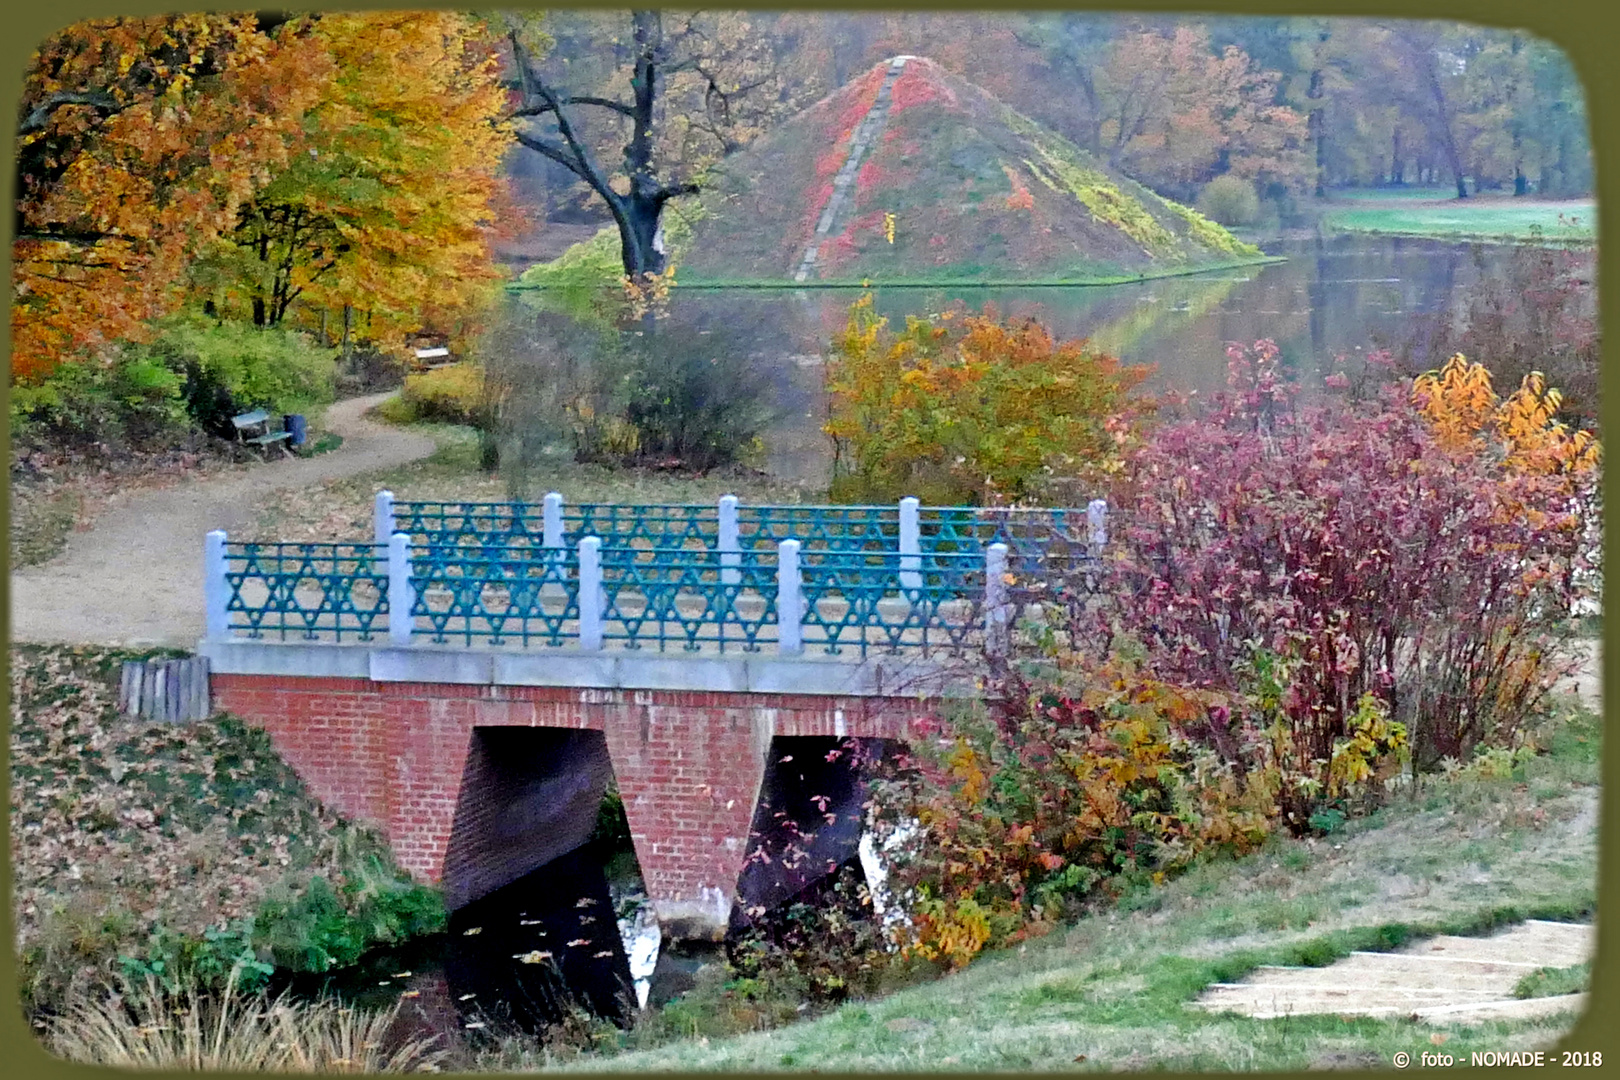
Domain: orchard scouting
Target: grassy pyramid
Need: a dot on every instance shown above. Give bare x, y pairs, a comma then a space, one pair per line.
927, 179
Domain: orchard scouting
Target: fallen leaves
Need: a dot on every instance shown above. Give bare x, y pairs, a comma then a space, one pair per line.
120, 826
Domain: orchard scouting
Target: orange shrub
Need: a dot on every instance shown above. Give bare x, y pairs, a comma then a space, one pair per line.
969, 409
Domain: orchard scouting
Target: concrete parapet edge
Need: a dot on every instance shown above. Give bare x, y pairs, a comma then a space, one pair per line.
876, 676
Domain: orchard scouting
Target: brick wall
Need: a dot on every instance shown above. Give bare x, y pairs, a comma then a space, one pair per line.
688, 764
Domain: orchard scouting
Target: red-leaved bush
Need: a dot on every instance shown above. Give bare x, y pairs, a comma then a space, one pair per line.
1297, 601
1347, 547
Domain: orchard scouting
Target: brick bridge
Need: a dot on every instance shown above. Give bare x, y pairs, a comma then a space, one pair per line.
683, 652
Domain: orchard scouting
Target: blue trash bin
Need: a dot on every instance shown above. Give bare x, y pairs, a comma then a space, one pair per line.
298, 428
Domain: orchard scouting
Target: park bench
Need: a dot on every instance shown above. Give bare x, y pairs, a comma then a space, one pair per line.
258, 423
435, 357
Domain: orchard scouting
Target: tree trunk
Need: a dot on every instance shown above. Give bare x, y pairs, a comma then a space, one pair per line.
259, 312
1316, 120
1442, 116
1397, 172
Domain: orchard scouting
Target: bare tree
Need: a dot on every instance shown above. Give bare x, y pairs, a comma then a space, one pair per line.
724, 70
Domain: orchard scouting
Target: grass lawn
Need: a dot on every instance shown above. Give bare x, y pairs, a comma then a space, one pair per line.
1432, 193
1572, 221
1460, 854
342, 509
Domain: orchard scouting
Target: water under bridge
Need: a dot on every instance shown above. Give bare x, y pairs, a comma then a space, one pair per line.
472, 677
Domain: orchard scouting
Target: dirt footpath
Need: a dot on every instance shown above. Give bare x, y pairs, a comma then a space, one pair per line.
135, 577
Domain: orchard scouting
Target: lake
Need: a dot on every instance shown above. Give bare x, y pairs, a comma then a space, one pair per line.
1331, 295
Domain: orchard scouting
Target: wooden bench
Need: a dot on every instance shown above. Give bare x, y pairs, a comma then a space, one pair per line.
259, 421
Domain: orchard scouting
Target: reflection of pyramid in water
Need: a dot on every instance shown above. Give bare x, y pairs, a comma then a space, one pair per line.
910, 173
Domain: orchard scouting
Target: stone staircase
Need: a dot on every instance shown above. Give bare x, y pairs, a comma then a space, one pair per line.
1442, 978
866, 132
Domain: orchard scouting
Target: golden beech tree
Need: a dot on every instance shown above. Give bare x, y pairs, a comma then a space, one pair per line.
138, 140
391, 197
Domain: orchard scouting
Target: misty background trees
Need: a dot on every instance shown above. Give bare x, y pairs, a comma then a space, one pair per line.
1297, 106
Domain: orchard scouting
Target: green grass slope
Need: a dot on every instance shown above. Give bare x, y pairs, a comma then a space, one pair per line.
126, 833
1467, 853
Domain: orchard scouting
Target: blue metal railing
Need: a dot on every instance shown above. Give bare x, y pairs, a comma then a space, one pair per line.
658, 597
833, 527
866, 601
827, 580
497, 594
310, 591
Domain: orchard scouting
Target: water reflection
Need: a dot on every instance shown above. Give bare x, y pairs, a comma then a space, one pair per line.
1331, 295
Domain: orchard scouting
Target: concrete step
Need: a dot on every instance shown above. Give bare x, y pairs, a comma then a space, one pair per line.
1510, 1009
1445, 978
1299, 1000
1396, 969
1536, 944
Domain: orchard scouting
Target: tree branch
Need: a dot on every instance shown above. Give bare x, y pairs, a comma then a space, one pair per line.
41, 116
541, 108
555, 153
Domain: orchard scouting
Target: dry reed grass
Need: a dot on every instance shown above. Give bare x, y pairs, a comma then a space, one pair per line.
149, 1027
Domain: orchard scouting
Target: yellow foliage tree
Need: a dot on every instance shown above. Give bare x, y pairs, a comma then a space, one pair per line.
968, 408
1464, 411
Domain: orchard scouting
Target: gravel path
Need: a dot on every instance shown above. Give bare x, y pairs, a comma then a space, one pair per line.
135, 577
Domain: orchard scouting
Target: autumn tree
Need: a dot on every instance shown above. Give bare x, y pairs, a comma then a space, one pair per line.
138, 141
1174, 113
964, 408
387, 204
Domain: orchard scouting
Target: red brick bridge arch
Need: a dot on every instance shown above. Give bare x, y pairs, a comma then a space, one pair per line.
471, 678
414, 759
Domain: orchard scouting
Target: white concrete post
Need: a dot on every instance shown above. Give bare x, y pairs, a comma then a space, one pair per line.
1097, 520
590, 593
995, 599
726, 543
553, 520
216, 590
382, 518
401, 596
789, 630
910, 545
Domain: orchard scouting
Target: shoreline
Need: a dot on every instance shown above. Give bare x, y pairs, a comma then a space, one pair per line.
942, 283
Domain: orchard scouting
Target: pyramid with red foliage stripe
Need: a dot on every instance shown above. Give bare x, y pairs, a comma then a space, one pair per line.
910, 174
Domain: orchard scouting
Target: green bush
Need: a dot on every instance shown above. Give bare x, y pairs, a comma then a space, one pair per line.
126, 398
631, 391
318, 931
447, 395
694, 399
173, 961
231, 368
1229, 200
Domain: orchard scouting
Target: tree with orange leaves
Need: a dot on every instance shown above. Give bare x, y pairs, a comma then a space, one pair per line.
1175, 113
138, 141
388, 203
968, 408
